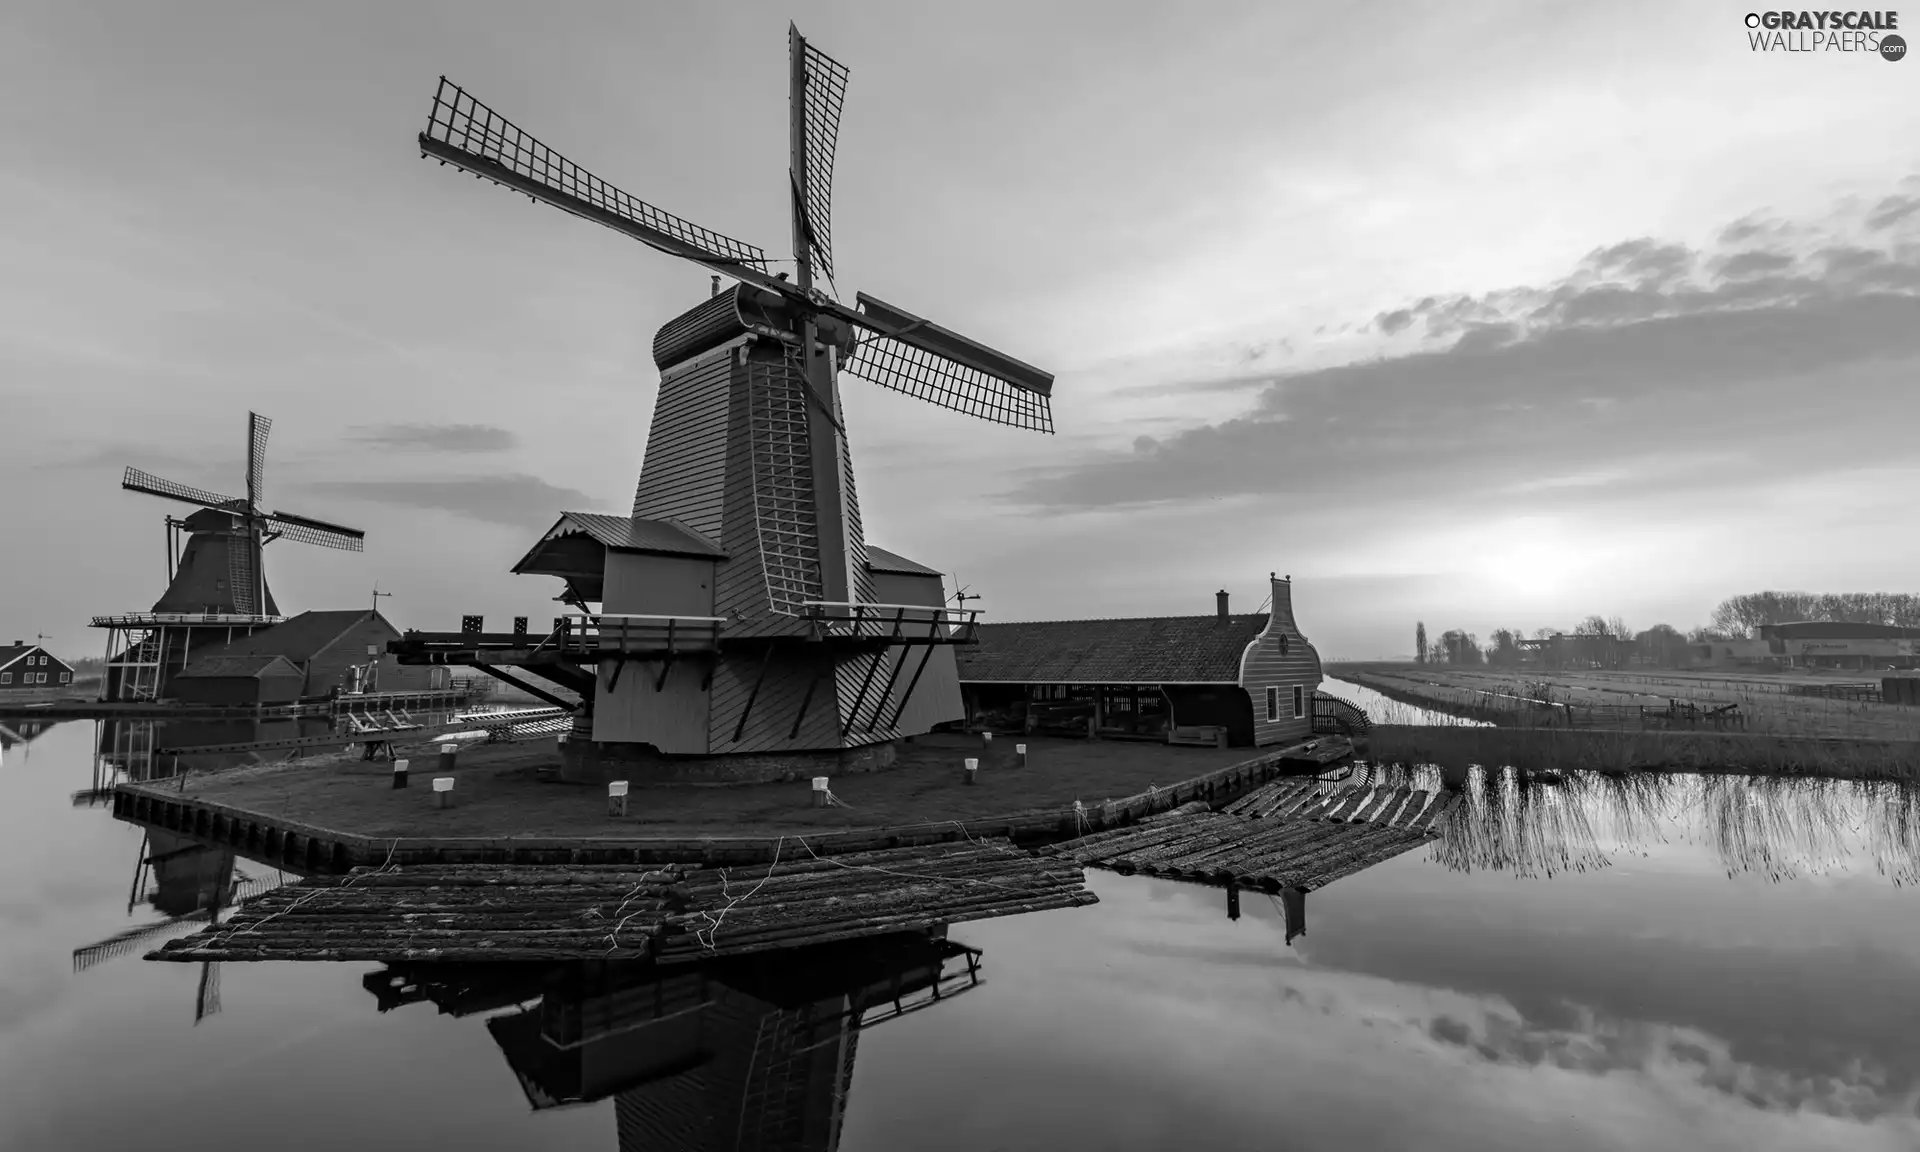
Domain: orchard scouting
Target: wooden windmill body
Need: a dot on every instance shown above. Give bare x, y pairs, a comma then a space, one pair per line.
216, 582
742, 584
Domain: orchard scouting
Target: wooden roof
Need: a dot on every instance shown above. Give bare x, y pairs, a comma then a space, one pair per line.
1144, 650
894, 564
638, 534
300, 638
250, 667
12, 652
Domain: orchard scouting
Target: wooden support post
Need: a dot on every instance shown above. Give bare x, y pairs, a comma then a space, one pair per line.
448, 754
1233, 901
741, 727
886, 692
616, 798
400, 773
443, 791
972, 769
859, 701
908, 694
666, 664
1019, 755
821, 793
794, 732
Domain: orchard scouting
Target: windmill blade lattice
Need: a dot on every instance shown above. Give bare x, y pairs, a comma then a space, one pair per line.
310, 531
826, 91
468, 134
137, 481
257, 428
947, 383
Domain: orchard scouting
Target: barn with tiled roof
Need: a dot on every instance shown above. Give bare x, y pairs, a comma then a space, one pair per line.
1238, 679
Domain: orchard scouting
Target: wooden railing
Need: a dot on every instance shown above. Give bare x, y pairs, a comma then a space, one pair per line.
155, 619
904, 622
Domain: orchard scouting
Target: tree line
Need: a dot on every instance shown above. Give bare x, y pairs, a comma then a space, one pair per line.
1606, 640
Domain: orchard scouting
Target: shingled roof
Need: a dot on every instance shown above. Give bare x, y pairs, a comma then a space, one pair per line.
251, 667
1144, 650
639, 534
299, 638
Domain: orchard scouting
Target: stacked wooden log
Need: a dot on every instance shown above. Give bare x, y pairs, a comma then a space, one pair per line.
519, 913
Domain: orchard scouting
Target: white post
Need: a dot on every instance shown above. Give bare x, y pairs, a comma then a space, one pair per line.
973, 768
400, 773
617, 798
443, 791
1019, 755
821, 794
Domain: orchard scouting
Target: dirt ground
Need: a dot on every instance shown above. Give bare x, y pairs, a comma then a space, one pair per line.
498, 792
1762, 697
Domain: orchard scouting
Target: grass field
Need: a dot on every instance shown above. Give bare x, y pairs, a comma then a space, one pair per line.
499, 793
1612, 699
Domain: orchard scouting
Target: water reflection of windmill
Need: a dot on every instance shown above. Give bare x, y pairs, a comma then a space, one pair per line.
750, 1054
188, 883
217, 583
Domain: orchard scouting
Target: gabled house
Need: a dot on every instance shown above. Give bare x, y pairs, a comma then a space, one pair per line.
1241, 681
29, 667
323, 647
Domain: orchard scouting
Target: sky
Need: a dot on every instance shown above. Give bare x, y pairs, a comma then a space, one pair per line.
1480, 315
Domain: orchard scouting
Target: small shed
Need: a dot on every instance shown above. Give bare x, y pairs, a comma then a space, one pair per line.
238, 680
1242, 680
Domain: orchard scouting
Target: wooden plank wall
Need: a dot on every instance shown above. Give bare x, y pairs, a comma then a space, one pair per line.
674, 719
683, 474
1262, 666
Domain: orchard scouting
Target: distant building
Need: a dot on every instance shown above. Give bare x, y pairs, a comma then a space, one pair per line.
27, 667
1251, 679
1842, 644
326, 649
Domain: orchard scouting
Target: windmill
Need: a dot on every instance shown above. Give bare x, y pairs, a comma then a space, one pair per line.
218, 577
747, 462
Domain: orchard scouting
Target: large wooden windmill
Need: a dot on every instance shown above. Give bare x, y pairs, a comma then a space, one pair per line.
217, 581
746, 527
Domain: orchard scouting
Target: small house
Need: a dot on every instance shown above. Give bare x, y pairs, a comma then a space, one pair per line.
1239, 681
28, 667
239, 680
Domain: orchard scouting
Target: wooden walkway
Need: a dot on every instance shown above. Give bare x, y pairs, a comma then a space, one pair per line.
1288, 834
668, 914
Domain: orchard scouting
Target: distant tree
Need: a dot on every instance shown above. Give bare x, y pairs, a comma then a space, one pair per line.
1420, 642
1504, 651
1740, 616
1460, 647
1663, 645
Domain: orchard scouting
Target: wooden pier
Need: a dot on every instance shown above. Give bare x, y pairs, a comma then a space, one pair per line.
1289, 834
672, 914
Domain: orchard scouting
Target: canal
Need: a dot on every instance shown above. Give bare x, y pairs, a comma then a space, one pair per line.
1637, 963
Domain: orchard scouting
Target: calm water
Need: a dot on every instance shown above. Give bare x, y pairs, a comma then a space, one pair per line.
1642, 964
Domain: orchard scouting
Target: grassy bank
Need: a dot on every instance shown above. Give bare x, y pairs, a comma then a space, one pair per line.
1614, 750
1603, 699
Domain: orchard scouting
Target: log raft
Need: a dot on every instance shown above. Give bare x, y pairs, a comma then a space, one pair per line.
1292, 833
667, 914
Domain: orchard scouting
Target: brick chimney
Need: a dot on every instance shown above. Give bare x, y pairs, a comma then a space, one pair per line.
1221, 596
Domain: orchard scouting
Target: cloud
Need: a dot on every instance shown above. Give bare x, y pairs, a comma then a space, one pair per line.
439, 437
515, 499
1645, 347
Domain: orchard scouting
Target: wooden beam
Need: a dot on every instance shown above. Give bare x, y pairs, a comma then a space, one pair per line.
860, 701
740, 728
892, 678
908, 694
667, 664
794, 732
530, 689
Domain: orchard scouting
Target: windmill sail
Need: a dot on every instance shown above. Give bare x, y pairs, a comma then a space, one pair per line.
310, 531
824, 90
467, 134
137, 481
257, 428
920, 358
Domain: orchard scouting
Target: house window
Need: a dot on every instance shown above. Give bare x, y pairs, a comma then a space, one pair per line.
6, 677
1273, 704
1299, 701
66, 677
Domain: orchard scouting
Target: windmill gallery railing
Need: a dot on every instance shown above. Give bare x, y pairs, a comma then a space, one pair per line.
573, 638
905, 623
